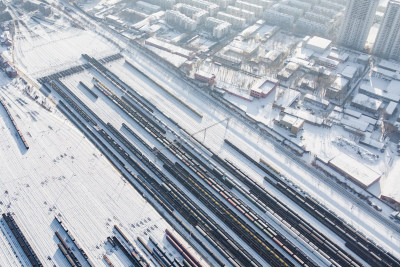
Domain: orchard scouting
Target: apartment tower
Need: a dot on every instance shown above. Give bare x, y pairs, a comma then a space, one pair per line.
387, 43
357, 22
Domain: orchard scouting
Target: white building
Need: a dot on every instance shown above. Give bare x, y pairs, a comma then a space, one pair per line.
237, 22
194, 13
274, 17
356, 23
258, 10
387, 44
311, 27
177, 19
249, 16
167, 4
219, 27
209, 6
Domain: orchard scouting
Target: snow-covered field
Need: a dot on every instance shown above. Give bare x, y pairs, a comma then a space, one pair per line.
46, 49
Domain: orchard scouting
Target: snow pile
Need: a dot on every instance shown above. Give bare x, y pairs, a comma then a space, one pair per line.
353, 147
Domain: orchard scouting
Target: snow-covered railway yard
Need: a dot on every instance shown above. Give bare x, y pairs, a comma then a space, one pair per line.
91, 175
63, 174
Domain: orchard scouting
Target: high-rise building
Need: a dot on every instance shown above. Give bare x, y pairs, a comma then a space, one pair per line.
387, 43
357, 22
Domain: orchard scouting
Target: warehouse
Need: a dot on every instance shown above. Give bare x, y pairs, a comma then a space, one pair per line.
317, 101
381, 89
367, 103
204, 77
291, 123
318, 44
354, 170
263, 89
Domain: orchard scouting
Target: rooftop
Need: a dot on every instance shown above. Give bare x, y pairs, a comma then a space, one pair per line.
319, 42
356, 170
366, 101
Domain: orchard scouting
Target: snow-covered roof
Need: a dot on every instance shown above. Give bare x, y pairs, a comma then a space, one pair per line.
313, 98
338, 55
391, 107
381, 88
349, 72
339, 83
318, 44
391, 185
389, 65
366, 101
359, 172
354, 123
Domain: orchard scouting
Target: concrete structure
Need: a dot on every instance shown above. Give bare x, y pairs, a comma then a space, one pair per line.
367, 103
387, 44
291, 123
354, 170
338, 88
204, 77
264, 88
173, 49
147, 6
274, 17
381, 89
237, 22
194, 13
391, 108
311, 27
349, 72
249, 16
177, 19
209, 6
219, 27
167, 4
318, 44
357, 22
317, 101
258, 10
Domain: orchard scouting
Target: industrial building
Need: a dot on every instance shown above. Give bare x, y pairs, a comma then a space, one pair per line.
263, 88
173, 49
291, 123
318, 44
366, 103
204, 77
317, 101
354, 170
357, 22
387, 43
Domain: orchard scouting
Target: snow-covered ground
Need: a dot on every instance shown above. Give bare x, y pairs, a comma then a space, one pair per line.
63, 174
252, 142
46, 49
